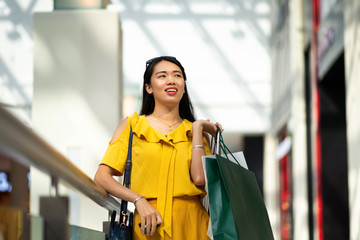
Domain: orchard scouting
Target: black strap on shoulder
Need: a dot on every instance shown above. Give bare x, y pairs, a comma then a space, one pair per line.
128, 161
126, 181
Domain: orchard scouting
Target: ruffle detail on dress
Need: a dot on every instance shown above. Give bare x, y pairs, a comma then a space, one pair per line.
143, 129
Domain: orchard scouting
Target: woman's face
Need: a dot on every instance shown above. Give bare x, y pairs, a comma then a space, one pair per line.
167, 83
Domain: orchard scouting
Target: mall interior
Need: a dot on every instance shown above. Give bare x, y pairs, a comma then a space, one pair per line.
281, 76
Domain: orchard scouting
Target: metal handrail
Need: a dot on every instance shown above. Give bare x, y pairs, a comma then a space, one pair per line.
16, 139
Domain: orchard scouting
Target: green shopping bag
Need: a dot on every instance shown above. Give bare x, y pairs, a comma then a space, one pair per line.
237, 209
221, 216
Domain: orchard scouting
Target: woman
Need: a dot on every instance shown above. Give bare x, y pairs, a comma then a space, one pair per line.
167, 177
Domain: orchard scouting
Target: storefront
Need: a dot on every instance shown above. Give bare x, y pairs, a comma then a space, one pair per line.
330, 110
310, 99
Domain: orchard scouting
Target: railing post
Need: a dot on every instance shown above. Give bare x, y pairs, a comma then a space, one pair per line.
55, 212
106, 224
54, 190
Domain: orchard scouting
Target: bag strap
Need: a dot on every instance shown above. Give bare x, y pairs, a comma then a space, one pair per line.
214, 142
112, 225
126, 181
222, 146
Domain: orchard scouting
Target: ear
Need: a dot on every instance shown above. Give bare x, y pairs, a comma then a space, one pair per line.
148, 89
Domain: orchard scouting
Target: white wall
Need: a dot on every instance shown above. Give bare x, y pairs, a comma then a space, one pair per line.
77, 96
352, 73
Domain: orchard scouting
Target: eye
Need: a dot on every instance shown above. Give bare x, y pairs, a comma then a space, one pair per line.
178, 75
161, 76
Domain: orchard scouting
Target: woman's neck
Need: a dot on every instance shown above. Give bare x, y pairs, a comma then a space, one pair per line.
164, 121
168, 115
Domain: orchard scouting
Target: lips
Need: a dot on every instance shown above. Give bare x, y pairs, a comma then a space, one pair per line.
171, 91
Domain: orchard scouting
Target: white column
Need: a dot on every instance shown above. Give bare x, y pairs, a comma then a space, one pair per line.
77, 96
298, 122
272, 184
352, 74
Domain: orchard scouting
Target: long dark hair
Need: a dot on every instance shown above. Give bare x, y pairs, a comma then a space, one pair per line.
186, 109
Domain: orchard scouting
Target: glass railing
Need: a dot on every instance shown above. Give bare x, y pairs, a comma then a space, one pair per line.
21, 144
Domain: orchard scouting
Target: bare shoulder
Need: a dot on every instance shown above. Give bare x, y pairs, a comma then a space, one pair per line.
120, 128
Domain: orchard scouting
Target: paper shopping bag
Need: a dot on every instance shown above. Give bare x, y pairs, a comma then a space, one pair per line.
221, 216
248, 207
237, 209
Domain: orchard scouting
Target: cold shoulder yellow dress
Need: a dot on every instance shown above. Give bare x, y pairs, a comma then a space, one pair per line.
161, 173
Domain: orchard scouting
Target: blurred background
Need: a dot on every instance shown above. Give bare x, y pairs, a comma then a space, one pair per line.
281, 76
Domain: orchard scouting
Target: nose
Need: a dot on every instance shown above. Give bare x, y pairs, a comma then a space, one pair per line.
170, 80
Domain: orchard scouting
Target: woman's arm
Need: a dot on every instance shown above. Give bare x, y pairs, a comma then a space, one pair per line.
105, 180
148, 214
196, 167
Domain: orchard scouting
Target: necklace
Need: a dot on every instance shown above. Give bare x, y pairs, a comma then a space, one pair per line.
169, 125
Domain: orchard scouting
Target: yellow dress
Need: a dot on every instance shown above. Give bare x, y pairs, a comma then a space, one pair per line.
161, 173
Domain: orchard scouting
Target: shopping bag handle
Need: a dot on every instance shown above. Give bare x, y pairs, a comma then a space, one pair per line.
223, 147
213, 143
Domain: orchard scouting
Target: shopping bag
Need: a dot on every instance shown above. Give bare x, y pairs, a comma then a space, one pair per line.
236, 206
224, 223
211, 161
221, 216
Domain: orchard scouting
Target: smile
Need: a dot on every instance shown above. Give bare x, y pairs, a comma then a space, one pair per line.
170, 90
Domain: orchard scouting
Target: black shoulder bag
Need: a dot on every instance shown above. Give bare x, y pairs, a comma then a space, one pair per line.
123, 229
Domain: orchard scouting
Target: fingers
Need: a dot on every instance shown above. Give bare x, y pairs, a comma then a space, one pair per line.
143, 225
158, 219
150, 224
150, 218
153, 225
220, 126
147, 226
206, 126
214, 128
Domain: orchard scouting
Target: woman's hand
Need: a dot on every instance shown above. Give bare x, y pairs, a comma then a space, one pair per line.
148, 214
150, 217
206, 126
